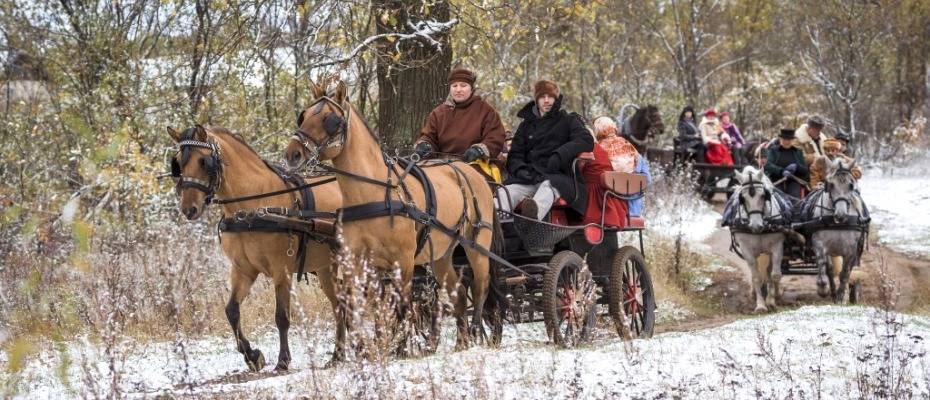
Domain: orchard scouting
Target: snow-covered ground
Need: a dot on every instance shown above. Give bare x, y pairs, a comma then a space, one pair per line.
830, 350
899, 200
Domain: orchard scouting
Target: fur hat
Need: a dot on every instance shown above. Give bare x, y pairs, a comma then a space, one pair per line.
815, 122
462, 75
832, 143
786, 133
543, 86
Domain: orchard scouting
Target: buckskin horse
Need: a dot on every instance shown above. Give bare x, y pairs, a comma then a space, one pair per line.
213, 165
391, 206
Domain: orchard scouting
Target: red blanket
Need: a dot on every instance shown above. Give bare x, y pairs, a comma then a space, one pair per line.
718, 154
616, 211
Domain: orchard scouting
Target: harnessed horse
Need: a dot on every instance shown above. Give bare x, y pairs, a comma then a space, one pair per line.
758, 228
389, 220
840, 228
258, 231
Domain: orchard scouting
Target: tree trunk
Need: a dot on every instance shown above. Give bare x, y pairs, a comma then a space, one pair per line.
412, 83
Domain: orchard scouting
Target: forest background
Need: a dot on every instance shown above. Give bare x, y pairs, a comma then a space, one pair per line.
88, 87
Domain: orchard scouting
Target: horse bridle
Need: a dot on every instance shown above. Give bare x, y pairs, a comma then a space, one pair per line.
213, 169
751, 185
334, 126
841, 170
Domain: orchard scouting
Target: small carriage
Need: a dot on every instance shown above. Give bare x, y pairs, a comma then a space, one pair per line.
806, 236
562, 272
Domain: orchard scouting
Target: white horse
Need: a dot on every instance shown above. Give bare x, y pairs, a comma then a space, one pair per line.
843, 235
756, 228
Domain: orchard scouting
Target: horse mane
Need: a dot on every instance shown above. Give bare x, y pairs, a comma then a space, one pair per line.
235, 136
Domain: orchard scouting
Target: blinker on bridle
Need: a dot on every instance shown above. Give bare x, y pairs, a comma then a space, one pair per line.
212, 165
767, 197
334, 126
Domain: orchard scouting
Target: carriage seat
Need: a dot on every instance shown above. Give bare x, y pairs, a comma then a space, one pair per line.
624, 184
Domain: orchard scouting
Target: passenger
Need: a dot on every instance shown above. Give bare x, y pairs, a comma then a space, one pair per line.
689, 138
736, 138
545, 145
615, 210
463, 125
715, 139
810, 138
623, 157
785, 164
832, 150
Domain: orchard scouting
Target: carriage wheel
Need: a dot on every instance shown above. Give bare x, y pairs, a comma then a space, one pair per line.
631, 300
568, 299
855, 290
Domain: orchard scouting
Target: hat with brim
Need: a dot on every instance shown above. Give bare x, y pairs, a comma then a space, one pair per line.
786, 133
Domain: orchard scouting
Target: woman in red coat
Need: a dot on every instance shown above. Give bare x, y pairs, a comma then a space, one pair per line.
616, 210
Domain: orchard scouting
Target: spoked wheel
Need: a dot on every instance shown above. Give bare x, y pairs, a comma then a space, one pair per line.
632, 302
493, 321
568, 300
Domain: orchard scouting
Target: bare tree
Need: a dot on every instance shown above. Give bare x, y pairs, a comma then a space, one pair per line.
838, 52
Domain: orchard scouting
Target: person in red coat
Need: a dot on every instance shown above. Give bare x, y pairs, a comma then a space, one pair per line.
616, 210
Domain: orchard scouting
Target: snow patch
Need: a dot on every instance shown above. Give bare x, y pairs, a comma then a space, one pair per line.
813, 347
899, 203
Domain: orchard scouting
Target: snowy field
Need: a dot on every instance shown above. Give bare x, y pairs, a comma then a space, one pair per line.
826, 350
899, 199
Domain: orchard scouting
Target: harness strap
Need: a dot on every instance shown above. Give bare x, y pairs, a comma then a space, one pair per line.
318, 229
275, 193
377, 209
429, 193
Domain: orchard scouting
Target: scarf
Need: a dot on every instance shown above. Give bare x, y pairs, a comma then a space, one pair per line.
622, 154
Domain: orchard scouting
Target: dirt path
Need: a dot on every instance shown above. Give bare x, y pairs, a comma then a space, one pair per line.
910, 274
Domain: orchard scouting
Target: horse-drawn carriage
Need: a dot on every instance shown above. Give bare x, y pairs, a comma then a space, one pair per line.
806, 236
423, 219
562, 269
563, 272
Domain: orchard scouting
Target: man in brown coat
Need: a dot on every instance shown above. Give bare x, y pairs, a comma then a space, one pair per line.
463, 125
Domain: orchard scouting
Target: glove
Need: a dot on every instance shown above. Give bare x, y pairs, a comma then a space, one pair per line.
792, 167
473, 153
786, 172
423, 149
554, 164
525, 174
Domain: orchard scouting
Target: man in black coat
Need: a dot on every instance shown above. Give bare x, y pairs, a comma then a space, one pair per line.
541, 155
785, 163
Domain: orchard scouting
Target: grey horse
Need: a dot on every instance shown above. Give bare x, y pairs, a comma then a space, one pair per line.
841, 230
755, 218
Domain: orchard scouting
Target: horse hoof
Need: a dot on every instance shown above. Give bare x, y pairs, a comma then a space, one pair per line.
281, 367
255, 360
823, 291
771, 306
759, 310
